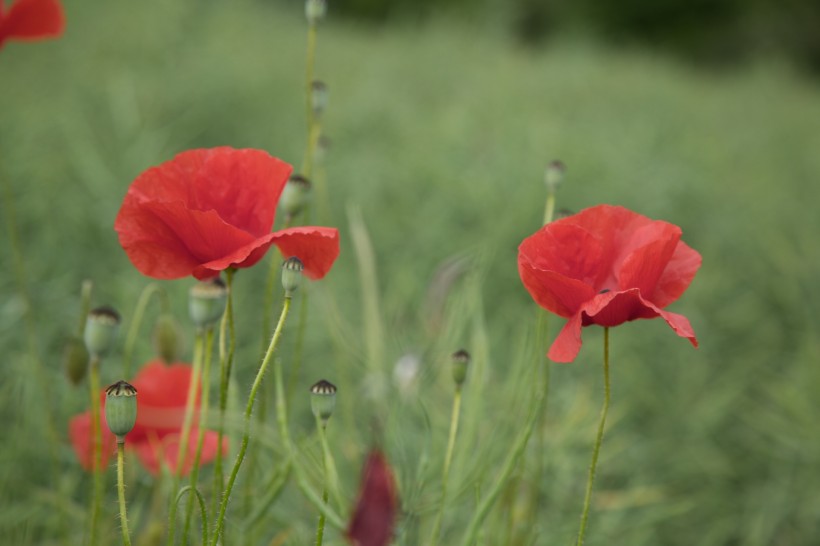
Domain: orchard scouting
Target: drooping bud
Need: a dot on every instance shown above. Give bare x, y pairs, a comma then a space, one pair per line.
461, 359
554, 175
318, 97
101, 329
295, 195
315, 10
207, 301
75, 360
375, 514
291, 275
120, 409
167, 338
323, 400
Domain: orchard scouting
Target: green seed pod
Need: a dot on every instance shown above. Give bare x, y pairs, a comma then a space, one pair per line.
120, 409
295, 195
318, 97
167, 338
75, 360
291, 275
554, 175
461, 359
101, 329
207, 301
315, 10
323, 400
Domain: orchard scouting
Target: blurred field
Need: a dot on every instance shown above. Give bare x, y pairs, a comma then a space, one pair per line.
440, 134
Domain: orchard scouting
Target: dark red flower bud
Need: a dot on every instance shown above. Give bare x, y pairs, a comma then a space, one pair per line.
375, 514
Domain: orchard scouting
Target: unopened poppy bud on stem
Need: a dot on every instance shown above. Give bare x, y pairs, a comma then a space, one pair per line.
323, 400
315, 10
167, 338
295, 195
120, 409
291, 275
207, 301
554, 175
101, 329
461, 359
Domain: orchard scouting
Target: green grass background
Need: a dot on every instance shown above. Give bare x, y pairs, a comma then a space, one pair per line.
440, 135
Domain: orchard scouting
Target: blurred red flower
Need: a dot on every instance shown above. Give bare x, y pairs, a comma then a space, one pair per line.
210, 209
161, 394
375, 514
30, 20
607, 265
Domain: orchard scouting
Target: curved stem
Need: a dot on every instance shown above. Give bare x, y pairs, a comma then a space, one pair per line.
126, 539
203, 514
186, 430
203, 415
451, 442
136, 321
227, 343
277, 334
598, 439
96, 453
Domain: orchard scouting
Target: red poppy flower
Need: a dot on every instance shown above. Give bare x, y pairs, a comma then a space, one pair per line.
607, 265
372, 521
161, 395
210, 209
31, 20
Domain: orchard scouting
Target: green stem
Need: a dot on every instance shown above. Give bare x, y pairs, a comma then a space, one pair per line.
598, 439
277, 334
329, 465
310, 62
186, 429
451, 443
227, 343
136, 321
85, 306
126, 539
96, 451
549, 208
203, 418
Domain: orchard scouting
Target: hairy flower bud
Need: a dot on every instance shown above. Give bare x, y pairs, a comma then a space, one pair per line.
323, 400
291, 275
75, 360
461, 359
207, 301
295, 195
315, 10
554, 175
120, 409
167, 338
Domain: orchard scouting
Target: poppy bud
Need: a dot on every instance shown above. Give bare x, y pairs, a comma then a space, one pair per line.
291, 275
461, 359
554, 175
318, 97
315, 10
75, 360
295, 195
120, 409
563, 213
101, 329
167, 338
323, 400
206, 302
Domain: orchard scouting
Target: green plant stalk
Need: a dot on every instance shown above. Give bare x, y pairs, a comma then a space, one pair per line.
136, 322
227, 344
274, 342
301, 479
203, 419
126, 538
310, 62
597, 447
329, 465
202, 512
448, 458
509, 465
299, 345
272, 491
85, 307
549, 209
186, 429
96, 450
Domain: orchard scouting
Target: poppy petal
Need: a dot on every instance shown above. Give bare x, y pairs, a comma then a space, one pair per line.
32, 20
645, 257
154, 453
375, 513
564, 248
316, 247
557, 293
244, 256
80, 433
677, 276
568, 342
